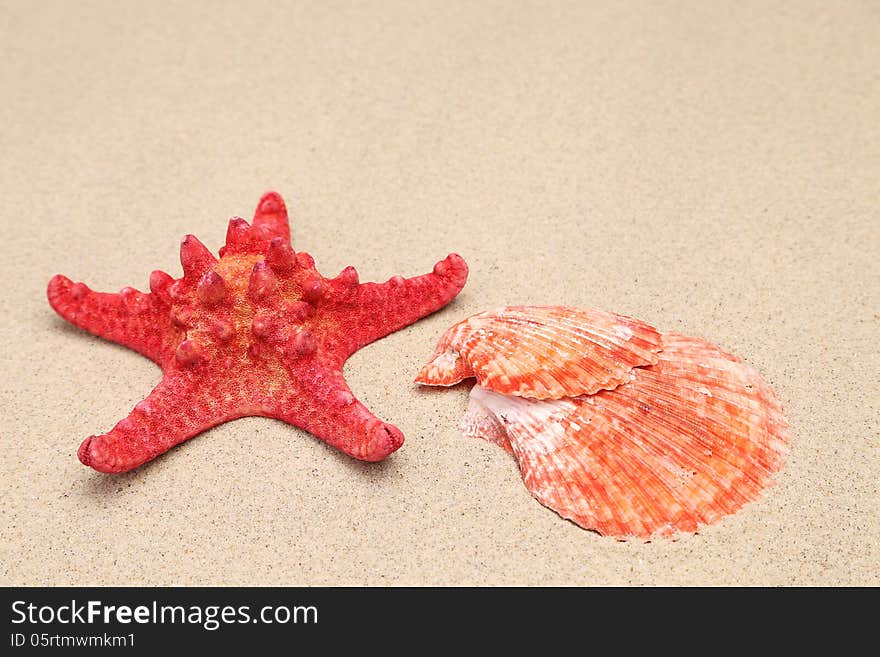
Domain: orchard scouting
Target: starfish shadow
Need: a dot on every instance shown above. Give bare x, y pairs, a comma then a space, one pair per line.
100, 484
61, 326
381, 468
370, 469
69, 330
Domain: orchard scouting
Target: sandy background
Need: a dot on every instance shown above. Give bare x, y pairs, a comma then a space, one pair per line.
712, 168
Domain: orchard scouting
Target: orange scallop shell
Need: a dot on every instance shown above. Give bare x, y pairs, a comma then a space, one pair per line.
670, 433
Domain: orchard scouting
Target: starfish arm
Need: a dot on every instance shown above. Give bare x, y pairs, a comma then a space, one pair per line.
133, 319
180, 407
324, 406
383, 308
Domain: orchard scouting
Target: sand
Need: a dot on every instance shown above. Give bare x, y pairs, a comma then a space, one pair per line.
712, 168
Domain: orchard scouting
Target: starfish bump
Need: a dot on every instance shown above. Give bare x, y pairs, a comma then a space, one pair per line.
257, 331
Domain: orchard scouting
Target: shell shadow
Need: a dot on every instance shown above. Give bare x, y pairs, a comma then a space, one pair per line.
462, 386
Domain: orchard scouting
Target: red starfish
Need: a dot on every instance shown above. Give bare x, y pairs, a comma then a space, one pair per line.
257, 332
